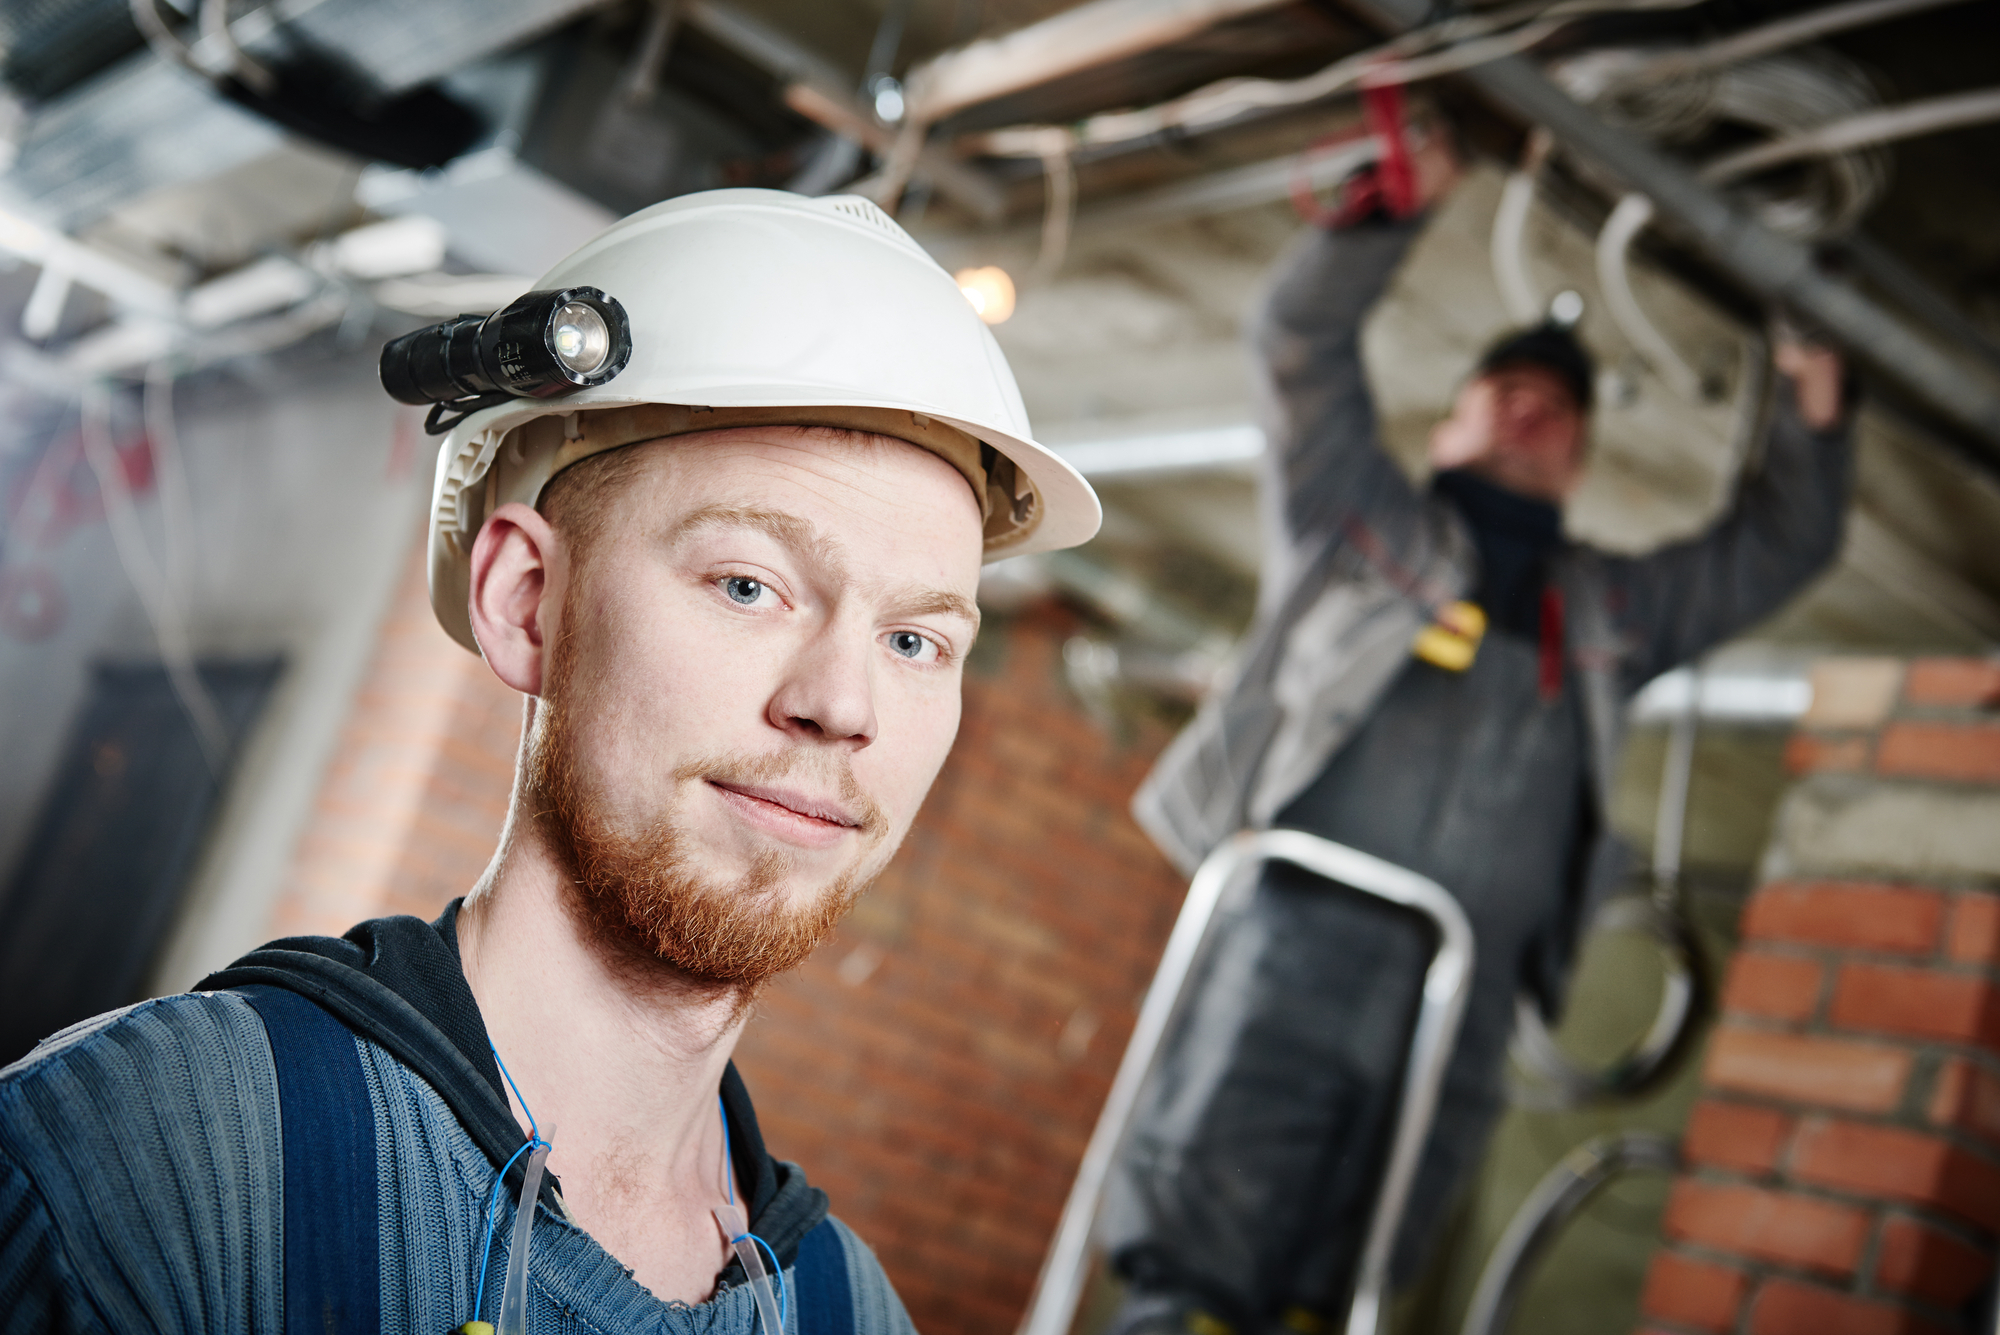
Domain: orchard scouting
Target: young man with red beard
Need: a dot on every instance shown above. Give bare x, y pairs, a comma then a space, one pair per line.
735, 581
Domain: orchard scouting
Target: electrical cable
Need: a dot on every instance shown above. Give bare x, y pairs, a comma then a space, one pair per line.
1779, 36
213, 19
641, 79
1059, 205
1796, 99
159, 35
1564, 1190
1908, 121
1850, 181
170, 480
1471, 40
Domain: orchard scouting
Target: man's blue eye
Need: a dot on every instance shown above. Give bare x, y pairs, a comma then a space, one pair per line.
907, 643
742, 589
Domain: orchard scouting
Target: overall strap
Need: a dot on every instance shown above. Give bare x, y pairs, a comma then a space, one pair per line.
824, 1299
332, 1260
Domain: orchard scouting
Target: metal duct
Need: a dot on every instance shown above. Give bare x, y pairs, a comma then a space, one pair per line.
144, 123
52, 45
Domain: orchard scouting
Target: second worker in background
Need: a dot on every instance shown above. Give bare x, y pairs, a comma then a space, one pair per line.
1437, 677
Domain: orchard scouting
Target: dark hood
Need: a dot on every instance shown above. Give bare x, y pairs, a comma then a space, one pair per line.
399, 983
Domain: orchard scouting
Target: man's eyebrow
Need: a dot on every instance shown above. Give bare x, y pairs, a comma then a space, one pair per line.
939, 602
791, 530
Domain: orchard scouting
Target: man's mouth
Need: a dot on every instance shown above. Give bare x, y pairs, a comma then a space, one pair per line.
782, 802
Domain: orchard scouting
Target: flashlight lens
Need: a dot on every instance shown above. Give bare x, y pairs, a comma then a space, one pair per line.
580, 338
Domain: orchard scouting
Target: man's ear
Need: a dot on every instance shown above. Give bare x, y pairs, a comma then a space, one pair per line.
518, 564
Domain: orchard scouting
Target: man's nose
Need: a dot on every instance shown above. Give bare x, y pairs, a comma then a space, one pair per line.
828, 691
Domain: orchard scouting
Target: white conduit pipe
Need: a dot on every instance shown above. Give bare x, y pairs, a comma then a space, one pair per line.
1510, 262
1908, 121
1635, 211
1613, 275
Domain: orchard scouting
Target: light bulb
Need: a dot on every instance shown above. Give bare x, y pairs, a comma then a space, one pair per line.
888, 101
990, 291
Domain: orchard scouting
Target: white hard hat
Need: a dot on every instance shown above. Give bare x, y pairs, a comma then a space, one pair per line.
758, 307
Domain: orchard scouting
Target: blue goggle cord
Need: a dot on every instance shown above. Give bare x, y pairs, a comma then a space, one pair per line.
771, 1308
514, 1292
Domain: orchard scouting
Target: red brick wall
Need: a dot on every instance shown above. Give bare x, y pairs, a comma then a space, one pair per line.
1844, 1163
938, 1066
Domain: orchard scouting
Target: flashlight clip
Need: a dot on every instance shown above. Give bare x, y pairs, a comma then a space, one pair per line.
437, 424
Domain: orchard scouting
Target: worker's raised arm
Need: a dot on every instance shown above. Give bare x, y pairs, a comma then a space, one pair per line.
1325, 461
1783, 528
1317, 412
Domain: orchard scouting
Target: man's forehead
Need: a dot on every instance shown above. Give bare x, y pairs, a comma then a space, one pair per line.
787, 451
1516, 374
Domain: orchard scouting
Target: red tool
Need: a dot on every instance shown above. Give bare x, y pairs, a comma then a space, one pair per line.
1387, 185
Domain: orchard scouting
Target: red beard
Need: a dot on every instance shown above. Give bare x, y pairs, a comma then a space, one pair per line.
638, 893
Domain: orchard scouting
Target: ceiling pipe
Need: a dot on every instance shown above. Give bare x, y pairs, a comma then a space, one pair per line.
1773, 267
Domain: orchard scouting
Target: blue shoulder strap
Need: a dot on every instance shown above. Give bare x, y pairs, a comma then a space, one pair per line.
825, 1300
332, 1265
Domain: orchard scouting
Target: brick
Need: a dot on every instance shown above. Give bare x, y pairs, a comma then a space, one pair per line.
1778, 987
1974, 934
1774, 1226
1852, 692
1822, 1072
1928, 1263
1736, 1135
1694, 1293
1922, 1003
1832, 753
1964, 683
1890, 1163
1968, 753
1784, 1307
1859, 915
1967, 1098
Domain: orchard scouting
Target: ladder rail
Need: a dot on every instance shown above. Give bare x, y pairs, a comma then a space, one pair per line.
1220, 885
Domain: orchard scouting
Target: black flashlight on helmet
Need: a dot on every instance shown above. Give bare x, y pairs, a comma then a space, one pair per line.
538, 346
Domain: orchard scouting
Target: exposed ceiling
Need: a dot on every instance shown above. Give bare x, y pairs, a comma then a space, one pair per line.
151, 174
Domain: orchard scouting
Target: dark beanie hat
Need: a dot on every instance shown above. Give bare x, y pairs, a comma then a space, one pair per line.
1551, 345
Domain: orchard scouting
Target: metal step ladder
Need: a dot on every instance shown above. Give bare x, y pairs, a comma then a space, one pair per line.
1221, 885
